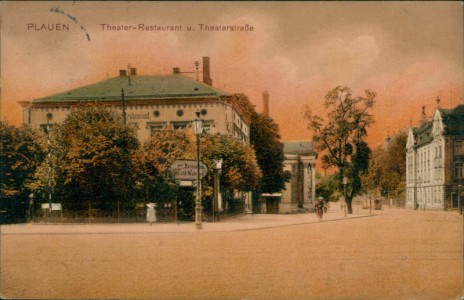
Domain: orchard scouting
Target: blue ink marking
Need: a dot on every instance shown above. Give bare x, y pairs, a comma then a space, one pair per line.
58, 11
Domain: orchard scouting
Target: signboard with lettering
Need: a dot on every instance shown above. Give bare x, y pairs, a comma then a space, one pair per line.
187, 169
56, 206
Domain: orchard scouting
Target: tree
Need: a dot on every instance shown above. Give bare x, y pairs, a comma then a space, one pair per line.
359, 165
387, 169
265, 138
164, 147
22, 151
341, 137
397, 162
156, 182
97, 157
45, 180
240, 170
328, 187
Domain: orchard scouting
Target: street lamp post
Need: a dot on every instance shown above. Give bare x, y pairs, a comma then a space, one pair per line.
123, 104
459, 199
345, 182
198, 130
217, 169
49, 160
31, 213
370, 203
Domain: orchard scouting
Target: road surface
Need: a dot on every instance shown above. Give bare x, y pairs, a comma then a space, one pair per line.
390, 254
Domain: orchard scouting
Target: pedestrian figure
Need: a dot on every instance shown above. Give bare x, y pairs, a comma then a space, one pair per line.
320, 208
151, 213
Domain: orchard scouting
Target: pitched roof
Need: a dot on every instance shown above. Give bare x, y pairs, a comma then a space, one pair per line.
423, 134
453, 120
299, 147
139, 87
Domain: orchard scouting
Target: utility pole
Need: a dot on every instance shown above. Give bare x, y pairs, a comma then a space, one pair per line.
345, 182
49, 158
123, 102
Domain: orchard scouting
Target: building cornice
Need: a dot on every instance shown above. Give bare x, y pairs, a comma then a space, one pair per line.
130, 102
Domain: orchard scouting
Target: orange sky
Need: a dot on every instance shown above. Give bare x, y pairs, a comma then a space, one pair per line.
409, 53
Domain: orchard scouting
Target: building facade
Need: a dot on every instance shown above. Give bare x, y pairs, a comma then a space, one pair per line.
150, 102
300, 192
435, 161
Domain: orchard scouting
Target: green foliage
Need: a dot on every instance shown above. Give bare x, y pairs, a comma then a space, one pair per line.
164, 147
360, 165
96, 150
327, 187
340, 138
155, 181
22, 151
96, 162
240, 170
265, 138
387, 169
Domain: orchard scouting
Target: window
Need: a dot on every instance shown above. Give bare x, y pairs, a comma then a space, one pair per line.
45, 127
439, 195
155, 127
207, 128
180, 125
409, 167
458, 170
428, 164
459, 147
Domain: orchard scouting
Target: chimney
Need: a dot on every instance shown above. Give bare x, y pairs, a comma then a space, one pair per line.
133, 71
206, 75
122, 73
423, 117
387, 141
176, 70
266, 104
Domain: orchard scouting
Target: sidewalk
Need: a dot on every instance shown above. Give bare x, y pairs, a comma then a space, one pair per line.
238, 223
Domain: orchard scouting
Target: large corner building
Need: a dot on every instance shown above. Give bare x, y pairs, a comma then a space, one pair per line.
435, 161
151, 102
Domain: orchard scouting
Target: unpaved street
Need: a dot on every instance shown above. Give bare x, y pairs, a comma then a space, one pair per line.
396, 254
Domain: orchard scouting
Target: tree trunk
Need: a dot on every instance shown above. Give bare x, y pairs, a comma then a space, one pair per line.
349, 201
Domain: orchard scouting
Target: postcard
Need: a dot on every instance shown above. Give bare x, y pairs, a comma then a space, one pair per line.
329, 136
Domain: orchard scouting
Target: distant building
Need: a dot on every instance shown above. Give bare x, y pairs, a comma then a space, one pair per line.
435, 160
300, 192
152, 102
